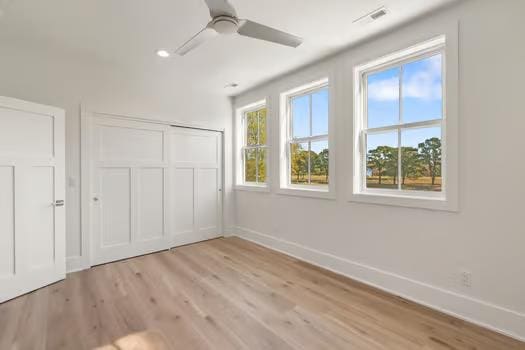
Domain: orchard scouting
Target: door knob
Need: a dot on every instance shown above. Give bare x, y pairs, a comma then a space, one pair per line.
59, 203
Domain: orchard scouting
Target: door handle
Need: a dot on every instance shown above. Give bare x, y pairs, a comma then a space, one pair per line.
59, 203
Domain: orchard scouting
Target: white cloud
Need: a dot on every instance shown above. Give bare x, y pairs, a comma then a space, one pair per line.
384, 90
424, 84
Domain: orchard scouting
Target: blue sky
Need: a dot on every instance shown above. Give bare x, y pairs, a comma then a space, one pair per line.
421, 98
301, 112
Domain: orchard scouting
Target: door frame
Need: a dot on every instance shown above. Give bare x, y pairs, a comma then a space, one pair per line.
85, 260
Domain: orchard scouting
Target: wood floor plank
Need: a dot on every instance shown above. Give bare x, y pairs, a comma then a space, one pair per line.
227, 294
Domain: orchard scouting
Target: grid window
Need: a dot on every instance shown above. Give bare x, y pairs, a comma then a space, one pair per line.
254, 149
307, 141
403, 123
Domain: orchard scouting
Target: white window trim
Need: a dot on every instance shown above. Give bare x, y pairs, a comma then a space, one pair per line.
285, 186
448, 198
240, 133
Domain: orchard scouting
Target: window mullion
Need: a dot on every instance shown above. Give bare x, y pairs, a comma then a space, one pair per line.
399, 155
258, 127
256, 165
309, 162
399, 152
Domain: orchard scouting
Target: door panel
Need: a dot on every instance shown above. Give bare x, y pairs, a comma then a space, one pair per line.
207, 199
32, 180
151, 203
129, 160
195, 146
115, 196
7, 221
119, 143
27, 135
182, 197
41, 211
196, 159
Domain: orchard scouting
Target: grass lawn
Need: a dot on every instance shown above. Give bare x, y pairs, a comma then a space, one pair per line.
423, 183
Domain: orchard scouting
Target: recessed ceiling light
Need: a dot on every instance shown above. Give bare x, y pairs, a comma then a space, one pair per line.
163, 53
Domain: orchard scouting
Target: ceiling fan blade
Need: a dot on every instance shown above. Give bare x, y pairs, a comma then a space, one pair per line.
220, 8
196, 40
262, 32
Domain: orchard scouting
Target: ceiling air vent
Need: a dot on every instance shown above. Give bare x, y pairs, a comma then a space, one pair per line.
371, 16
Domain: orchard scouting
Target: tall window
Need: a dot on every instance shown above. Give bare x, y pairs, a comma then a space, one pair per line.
307, 137
254, 148
402, 120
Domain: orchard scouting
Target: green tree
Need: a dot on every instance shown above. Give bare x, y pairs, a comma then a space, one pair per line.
430, 155
410, 163
299, 161
380, 160
321, 164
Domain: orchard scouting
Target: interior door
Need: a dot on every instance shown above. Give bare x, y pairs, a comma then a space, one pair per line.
196, 185
32, 191
128, 192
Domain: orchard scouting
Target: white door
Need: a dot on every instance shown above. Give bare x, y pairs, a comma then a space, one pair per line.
128, 191
196, 185
32, 190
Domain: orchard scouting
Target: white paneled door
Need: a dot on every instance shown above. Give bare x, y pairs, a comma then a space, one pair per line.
32, 191
196, 184
129, 186
153, 187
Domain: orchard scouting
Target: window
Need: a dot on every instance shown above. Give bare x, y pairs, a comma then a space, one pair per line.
400, 124
254, 149
305, 139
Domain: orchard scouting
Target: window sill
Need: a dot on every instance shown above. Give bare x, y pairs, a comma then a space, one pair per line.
252, 188
306, 192
405, 200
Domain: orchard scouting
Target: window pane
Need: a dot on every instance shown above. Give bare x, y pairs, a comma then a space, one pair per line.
299, 163
320, 112
382, 164
301, 116
319, 163
421, 159
251, 128
261, 160
422, 90
383, 98
262, 126
250, 169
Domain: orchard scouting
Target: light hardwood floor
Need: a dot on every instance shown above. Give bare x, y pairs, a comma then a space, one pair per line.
227, 294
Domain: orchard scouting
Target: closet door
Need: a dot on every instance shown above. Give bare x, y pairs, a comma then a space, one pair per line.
196, 185
128, 199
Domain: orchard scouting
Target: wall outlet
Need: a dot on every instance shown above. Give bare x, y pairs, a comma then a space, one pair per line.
465, 278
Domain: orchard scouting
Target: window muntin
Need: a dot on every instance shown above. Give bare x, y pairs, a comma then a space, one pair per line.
403, 123
254, 147
307, 143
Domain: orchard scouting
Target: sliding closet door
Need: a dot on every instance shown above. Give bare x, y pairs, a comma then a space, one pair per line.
129, 174
196, 185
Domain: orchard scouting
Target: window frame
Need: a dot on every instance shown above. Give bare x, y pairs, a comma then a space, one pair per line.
242, 146
287, 139
446, 199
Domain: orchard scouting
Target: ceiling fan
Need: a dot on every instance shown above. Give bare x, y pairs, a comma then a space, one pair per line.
224, 20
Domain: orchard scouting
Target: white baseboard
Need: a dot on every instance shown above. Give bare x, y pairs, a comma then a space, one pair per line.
494, 317
76, 263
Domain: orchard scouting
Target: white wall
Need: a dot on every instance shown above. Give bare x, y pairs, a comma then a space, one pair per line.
43, 74
414, 252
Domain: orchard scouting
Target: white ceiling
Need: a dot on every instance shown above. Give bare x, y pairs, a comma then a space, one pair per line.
128, 32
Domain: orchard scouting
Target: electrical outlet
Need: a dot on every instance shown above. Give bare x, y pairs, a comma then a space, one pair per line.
466, 278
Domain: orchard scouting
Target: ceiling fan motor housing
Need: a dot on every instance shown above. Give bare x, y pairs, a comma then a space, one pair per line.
225, 24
